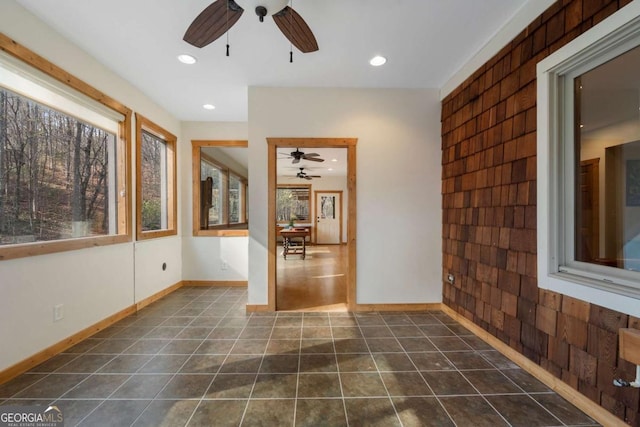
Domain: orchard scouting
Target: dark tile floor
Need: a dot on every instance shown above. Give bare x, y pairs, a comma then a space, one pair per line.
196, 358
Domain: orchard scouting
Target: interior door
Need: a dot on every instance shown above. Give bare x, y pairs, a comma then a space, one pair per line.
328, 217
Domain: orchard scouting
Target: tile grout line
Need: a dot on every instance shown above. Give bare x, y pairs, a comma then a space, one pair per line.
295, 400
420, 372
195, 408
405, 353
255, 381
335, 357
465, 378
182, 366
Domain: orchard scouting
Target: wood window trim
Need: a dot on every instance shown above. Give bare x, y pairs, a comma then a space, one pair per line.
196, 158
124, 235
144, 124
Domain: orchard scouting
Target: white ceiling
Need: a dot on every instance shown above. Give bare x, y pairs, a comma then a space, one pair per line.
425, 41
335, 162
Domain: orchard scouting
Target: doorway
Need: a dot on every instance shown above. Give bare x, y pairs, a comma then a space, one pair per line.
345, 252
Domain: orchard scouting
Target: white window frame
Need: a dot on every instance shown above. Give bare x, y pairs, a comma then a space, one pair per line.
613, 288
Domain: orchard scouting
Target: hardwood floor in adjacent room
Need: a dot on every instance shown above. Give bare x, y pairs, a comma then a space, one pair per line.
317, 282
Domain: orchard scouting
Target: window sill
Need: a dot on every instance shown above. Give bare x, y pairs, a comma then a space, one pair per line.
43, 248
591, 291
145, 235
220, 233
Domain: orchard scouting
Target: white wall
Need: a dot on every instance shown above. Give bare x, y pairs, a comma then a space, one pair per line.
398, 182
202, 257
95, 283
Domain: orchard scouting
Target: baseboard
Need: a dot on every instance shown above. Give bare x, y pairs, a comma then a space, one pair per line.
59, 347
44, 355
213, 283
586, 405
397, 307
252, 308
155, 297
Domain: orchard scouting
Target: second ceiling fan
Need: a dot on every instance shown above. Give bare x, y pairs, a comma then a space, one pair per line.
299, 155
303, 175
217, 18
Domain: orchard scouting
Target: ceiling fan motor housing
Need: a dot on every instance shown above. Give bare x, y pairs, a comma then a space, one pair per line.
261, 11
263, 7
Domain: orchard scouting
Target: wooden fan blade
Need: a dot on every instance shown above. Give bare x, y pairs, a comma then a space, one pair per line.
314, 159
296, 30
310, 155
296, 160
213, 21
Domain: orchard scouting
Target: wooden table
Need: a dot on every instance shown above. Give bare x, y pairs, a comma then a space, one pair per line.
291, 246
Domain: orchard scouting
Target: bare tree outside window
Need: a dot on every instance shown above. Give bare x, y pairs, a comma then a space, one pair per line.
235, 199
292, 202
156, 187
54, 173
216, 211
153, 214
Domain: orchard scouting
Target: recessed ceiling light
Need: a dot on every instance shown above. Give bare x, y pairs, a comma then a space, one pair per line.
377, 61
334, 160
187, 59
209, 107
330, 169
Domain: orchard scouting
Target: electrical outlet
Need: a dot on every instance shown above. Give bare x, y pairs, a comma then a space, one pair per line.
451, 278
223, 265
58, 312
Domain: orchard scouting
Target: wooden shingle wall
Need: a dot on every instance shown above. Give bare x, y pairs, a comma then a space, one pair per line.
489, 218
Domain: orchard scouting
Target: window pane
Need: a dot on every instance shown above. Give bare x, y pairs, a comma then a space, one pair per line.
607, 170
216, 211
235, 199
56, 180
154, 178
292, 202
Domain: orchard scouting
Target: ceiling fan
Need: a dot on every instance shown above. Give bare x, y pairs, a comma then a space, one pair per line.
299, 155
303, 175
217, 18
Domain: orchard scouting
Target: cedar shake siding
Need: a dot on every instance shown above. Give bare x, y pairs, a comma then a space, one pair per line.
489, 218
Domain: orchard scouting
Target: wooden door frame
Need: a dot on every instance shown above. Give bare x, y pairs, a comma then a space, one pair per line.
316, 210
272, 145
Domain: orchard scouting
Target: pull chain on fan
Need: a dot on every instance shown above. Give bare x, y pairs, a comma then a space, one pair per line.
227, 31
290, 44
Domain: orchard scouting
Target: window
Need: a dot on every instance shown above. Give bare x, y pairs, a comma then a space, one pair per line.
155, 180
220, 188
589, 164
293, 201
64, 159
